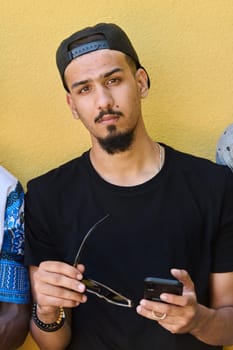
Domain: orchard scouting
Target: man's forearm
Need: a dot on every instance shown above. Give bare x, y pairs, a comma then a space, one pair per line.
214, 326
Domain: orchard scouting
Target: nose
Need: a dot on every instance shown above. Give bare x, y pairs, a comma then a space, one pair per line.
104, 98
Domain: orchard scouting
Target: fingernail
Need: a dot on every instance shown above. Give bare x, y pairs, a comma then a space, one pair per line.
84, 298
163, 297
81, 287
139, 308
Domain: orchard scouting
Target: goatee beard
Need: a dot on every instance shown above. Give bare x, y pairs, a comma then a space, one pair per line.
116, 142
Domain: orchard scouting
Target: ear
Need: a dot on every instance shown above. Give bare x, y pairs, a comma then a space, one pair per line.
142, 81
70, 103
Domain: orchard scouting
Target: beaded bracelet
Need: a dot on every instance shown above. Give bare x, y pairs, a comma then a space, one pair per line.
48, 327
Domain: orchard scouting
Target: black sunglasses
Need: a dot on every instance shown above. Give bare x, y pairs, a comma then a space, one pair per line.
97, 288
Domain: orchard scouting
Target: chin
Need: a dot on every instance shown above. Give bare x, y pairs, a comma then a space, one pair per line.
116, 142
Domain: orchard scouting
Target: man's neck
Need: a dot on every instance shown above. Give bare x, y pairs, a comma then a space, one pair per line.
133, 167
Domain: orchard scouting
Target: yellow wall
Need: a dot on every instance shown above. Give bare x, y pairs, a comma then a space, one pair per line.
186, 46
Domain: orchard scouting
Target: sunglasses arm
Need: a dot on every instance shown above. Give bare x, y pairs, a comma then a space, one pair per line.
76, 260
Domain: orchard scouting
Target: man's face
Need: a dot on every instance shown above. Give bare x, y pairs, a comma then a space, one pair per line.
106, 95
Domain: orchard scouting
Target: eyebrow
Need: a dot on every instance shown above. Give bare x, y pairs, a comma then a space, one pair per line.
83, 82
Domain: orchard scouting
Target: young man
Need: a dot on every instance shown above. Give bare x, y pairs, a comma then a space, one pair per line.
127, 209
14, 282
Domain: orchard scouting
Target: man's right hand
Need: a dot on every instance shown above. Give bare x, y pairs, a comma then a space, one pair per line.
56, 284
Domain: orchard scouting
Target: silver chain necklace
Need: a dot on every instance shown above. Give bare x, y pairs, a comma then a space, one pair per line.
160, 156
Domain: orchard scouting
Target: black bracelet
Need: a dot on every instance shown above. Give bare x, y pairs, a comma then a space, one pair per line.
48, 327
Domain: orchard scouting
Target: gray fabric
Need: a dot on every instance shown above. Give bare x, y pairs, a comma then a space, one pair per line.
224, 149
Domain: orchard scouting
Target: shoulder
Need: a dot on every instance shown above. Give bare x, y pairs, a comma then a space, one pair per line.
203, 171
6, 178
224, 148
199, 165
10, 189
57, 178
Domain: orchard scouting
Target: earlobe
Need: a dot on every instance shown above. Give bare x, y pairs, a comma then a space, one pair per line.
144, 91
142, 81
75, 114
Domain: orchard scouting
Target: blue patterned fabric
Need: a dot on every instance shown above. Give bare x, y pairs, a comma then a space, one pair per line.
14, 280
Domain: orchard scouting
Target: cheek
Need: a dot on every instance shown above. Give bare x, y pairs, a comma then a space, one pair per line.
84, 108
133, 92
134, 100
127, 98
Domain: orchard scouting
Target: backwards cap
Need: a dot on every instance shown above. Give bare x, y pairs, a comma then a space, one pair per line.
99, 37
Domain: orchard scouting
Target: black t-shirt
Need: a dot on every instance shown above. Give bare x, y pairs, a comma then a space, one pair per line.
182, 218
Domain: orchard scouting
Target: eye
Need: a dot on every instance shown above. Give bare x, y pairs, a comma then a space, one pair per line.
84, 89
113, 81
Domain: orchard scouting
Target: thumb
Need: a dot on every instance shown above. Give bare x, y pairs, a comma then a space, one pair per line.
184, 278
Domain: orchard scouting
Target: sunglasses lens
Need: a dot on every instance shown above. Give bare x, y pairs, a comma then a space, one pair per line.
92, 285
116, 298
104, 291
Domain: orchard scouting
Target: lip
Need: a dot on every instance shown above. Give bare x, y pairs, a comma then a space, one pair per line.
109, 118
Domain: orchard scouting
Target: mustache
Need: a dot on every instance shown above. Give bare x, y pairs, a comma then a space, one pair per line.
110, 111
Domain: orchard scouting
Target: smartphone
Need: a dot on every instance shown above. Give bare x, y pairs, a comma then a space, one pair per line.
154, 286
